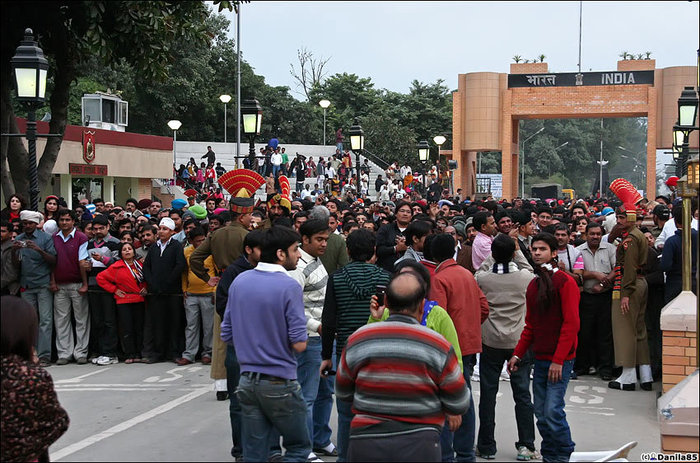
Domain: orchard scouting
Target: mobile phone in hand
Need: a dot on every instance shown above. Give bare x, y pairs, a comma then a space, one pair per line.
380, 292
328, 372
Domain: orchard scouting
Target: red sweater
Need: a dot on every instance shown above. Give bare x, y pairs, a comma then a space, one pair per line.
552, 333
118, 276
455, 289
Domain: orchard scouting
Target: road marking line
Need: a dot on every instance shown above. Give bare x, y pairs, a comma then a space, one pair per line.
88, 441
589, 413
157, 386
77, 379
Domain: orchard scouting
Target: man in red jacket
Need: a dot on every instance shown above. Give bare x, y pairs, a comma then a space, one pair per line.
455, 289
551, 329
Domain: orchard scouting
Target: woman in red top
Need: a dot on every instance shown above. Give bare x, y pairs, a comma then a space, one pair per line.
125, 280
15, 204
551, 329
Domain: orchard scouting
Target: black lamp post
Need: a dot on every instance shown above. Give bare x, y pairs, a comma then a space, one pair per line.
687, 117
357, 144
30, 67
251, 113
423, 156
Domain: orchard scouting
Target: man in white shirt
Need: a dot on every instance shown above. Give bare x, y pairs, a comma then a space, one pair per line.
276, 161
594, 352
330, 171
312, 276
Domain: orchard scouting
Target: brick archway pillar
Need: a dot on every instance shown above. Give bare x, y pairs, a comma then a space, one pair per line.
509, 156
650, 189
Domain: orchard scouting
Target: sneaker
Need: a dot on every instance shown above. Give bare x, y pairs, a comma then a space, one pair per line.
275, 457
62, 362
97, 359
329, 450
485, 456
104, 360
525, 454
313, 458
44, 363
592, 371
81, 361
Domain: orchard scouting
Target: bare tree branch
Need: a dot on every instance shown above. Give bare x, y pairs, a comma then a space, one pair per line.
311, 71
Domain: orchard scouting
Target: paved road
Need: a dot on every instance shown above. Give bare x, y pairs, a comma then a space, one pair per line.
163, 412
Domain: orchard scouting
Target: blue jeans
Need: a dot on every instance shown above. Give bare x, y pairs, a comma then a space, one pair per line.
272, 405
308, 366
42, 300
464, 436
275, 170
233, 375
323, 408
549, 410
490, 366
345, 416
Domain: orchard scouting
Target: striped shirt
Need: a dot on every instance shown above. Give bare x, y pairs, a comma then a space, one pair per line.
346, 307
313, 278
401, 377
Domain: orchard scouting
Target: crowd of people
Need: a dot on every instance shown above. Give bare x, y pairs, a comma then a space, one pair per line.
405, 299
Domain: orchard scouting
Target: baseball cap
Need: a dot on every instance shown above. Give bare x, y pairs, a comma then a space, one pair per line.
662, 212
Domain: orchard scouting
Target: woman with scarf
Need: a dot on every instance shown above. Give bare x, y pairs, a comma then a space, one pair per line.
551, 328
125, 280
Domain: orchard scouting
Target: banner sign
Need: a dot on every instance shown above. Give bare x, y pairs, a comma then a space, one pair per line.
87, 169
88, 146
574, 79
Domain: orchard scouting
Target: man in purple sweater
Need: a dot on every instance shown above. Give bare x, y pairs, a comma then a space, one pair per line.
69, 283
265, 321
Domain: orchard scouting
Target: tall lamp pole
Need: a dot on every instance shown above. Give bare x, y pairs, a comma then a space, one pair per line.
31, 67
251, 113
522, 171
439, 140
423, 156
324, 104
225, 99
357, 144
174, 126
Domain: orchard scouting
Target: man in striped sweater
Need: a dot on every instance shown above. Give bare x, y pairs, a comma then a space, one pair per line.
402, 379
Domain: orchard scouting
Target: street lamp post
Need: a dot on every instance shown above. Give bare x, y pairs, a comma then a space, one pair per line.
357, 145
423, 156
31, 68
522, 171
439, 140
225, 99
251, 113
637, 162
324, 104
687, 116
174, 126
549, 161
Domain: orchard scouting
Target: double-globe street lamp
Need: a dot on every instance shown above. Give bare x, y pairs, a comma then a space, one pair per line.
423, 156
251, 113
357, 145
522, 155
30, 69
174, 126
324, 104
225, 99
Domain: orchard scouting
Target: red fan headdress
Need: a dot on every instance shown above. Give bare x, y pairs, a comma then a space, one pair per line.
191, 193
627, 193
284, 199
241, 184
285, 187
234, 180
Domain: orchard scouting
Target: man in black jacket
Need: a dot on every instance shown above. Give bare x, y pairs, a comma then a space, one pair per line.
252, 247
162, 270
391, 244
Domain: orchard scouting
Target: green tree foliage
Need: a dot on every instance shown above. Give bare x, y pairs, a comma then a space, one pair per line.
72, 33
574, 165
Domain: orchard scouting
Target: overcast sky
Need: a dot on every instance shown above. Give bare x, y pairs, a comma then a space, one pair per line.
397, 42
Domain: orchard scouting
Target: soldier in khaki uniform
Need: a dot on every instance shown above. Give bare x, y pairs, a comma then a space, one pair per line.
629, 305
225, 245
